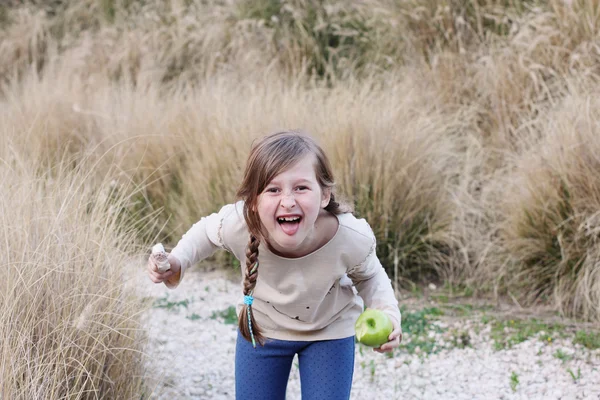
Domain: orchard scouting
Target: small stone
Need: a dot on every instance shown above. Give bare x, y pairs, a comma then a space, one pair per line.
420, 383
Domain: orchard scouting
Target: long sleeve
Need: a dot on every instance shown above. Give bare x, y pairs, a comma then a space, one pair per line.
200, 241
374, 285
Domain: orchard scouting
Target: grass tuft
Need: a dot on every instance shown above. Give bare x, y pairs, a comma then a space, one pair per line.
514, 381
590, 340
229, 315
507, 333
69, 325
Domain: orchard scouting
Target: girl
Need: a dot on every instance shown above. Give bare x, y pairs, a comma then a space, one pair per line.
304, 256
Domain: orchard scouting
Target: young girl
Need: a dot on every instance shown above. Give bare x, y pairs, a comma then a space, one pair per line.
304, 256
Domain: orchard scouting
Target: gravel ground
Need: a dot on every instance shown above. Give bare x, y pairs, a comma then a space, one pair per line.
191, 348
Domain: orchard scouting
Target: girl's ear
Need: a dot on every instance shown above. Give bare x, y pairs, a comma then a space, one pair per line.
326, 197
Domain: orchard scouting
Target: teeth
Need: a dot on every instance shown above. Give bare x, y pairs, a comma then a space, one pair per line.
289, 219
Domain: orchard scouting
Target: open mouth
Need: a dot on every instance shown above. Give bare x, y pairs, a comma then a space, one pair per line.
289, 225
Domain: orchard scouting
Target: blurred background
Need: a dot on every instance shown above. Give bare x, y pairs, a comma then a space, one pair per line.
467, 132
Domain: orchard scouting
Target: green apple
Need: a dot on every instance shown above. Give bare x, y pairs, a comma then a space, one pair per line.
373, 327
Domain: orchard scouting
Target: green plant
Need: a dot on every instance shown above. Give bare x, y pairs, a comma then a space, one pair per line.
514, 381
417, 327
561, 355
575, 377
372, 369
193, 317
331, 37
441, 298
590, 340
507, 333
229, 315
163, 302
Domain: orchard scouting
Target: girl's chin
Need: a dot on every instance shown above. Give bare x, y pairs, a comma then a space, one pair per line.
285, 244
288, 243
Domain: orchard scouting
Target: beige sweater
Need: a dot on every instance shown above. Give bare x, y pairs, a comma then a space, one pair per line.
315, 297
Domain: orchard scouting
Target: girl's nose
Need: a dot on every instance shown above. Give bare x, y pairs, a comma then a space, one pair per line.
288, 201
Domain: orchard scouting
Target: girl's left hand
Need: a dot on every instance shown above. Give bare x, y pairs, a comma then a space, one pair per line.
394, 340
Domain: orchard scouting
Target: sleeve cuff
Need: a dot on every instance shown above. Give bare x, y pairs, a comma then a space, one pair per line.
395, 317
183, 262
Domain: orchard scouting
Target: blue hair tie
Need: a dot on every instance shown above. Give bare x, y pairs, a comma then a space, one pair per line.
248, 299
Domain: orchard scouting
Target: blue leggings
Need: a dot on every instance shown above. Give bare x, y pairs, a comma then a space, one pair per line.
262, 373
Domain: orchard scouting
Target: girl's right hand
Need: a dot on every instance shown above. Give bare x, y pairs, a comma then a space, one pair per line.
171, 275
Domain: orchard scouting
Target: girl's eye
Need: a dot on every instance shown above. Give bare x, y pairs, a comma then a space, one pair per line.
272, 190
301, 188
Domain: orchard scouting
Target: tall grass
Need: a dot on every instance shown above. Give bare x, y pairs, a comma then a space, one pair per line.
552, 207
68, 326
447, 122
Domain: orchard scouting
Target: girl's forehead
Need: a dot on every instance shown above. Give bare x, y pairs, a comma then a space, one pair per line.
304, 168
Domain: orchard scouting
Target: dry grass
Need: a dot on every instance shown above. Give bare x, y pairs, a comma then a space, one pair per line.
551, 206
464, 131
69, 326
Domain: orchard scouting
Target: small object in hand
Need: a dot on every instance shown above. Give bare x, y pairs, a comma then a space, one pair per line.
373, 327
159, 254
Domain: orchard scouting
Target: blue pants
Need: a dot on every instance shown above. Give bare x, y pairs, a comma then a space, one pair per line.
262, 373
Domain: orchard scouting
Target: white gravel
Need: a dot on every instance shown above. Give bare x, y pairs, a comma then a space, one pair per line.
193, 354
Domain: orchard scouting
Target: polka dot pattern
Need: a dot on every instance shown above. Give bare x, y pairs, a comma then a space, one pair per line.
326, 369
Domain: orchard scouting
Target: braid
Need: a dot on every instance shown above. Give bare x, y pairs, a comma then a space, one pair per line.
247, 323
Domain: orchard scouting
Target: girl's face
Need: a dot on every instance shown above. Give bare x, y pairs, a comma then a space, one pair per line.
289, 206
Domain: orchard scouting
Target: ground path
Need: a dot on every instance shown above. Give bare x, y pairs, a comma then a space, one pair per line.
192, 346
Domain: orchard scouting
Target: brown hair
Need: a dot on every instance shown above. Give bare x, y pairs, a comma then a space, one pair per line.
268, 158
